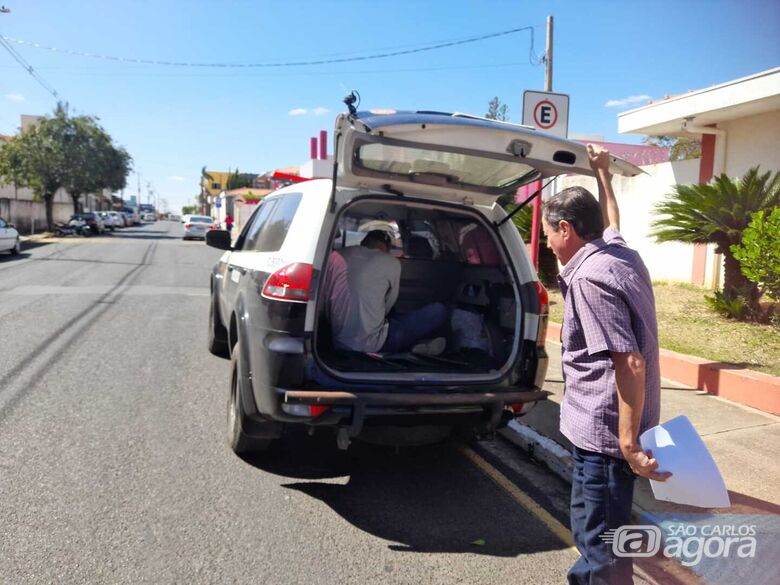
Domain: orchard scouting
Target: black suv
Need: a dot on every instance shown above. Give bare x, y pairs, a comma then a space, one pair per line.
430, 180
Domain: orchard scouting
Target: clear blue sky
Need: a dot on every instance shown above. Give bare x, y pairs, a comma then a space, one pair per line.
173, 120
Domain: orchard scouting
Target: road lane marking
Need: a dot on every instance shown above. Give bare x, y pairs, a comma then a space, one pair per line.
558, 529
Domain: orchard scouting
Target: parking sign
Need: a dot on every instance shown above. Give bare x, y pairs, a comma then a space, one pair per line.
547, 111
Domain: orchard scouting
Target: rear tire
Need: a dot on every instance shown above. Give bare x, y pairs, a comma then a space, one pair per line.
217, 340
239, 441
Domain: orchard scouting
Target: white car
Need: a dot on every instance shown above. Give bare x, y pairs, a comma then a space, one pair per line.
116, 219
9, 238
149, 216
197, 226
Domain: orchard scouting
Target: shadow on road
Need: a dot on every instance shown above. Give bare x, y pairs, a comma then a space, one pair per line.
425, 499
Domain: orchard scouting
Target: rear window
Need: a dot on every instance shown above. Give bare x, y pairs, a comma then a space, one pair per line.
421, 233
271, 223
417, 164
200, 219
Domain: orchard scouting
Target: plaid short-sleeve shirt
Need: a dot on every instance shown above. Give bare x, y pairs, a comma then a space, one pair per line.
609, 307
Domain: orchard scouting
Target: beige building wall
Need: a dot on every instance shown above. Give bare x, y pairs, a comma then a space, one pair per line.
637, 196
750, 141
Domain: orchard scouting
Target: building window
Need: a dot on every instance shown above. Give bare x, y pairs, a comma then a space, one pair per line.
216, 185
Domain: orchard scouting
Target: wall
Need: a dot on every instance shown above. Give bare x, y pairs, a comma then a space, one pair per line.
28, 214
637, 197
751, 141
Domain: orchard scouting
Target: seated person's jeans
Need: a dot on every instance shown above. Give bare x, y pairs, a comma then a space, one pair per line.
406, 329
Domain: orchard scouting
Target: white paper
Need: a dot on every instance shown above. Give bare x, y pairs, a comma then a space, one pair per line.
696, 479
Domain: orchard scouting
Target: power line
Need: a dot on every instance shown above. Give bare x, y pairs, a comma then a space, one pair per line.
432, 47
29, 68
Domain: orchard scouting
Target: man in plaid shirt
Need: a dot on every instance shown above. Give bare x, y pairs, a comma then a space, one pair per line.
610, 366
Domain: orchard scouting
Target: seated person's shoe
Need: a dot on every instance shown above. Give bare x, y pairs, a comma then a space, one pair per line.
430, 347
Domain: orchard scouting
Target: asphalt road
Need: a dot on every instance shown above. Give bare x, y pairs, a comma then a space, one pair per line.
114, 467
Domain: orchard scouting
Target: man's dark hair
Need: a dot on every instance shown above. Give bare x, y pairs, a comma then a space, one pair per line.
375, 237
580, 208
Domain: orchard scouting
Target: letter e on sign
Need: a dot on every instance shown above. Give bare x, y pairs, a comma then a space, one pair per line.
547, 111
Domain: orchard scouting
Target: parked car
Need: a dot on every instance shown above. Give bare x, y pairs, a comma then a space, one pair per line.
92, 220
9, 238
432, 179
109, 221
116, 219
197, 226
149, 216
135, 218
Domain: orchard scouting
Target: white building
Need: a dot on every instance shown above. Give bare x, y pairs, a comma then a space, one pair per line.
738, 123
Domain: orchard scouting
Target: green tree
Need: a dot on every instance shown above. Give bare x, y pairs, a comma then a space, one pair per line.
718, 213
39, 158
497, 110
95, 162
680, 148
238, 180
205, 179
189, 209
759, 252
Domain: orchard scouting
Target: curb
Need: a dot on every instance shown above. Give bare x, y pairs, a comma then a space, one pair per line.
747, 387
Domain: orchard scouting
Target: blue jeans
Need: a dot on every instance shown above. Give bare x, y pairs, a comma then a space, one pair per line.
602, 490
406, 329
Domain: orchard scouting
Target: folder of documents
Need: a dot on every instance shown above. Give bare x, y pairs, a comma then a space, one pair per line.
696, 479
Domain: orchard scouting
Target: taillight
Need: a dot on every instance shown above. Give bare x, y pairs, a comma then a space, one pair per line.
188, 225
544, 310
317, 409
517, 408
290, 283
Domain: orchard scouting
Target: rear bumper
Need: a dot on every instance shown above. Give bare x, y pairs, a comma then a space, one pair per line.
352, 409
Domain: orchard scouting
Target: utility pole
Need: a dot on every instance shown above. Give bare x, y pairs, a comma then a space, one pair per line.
548, 56
536, 217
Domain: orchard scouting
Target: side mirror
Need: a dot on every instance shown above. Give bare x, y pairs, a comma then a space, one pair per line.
218, 239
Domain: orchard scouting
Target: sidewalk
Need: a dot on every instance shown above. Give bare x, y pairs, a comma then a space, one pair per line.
744, 442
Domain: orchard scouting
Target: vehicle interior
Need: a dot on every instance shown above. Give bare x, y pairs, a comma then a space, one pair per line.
448, 256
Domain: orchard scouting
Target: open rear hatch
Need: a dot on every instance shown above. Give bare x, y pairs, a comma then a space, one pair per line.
452, 157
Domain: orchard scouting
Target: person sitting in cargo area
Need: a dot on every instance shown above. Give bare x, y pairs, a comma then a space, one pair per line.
361, 285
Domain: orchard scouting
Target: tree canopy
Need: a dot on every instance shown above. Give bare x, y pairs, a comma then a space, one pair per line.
63, 151
497, 110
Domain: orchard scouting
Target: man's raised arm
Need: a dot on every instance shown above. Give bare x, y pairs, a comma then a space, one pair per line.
599, 162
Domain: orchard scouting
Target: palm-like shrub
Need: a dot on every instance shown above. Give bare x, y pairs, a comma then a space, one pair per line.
717, 213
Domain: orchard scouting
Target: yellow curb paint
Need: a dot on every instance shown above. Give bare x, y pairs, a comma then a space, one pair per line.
520, 497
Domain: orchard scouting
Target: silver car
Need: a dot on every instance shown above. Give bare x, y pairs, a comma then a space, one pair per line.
197, 226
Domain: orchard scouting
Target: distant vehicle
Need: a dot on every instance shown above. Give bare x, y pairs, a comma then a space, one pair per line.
9, 238
149, 216
108, 221
174, 217
116, 218
92, 220
134, 215
197, 226
127, 217
146, 208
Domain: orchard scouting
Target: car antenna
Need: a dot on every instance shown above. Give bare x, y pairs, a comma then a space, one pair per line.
354, 96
